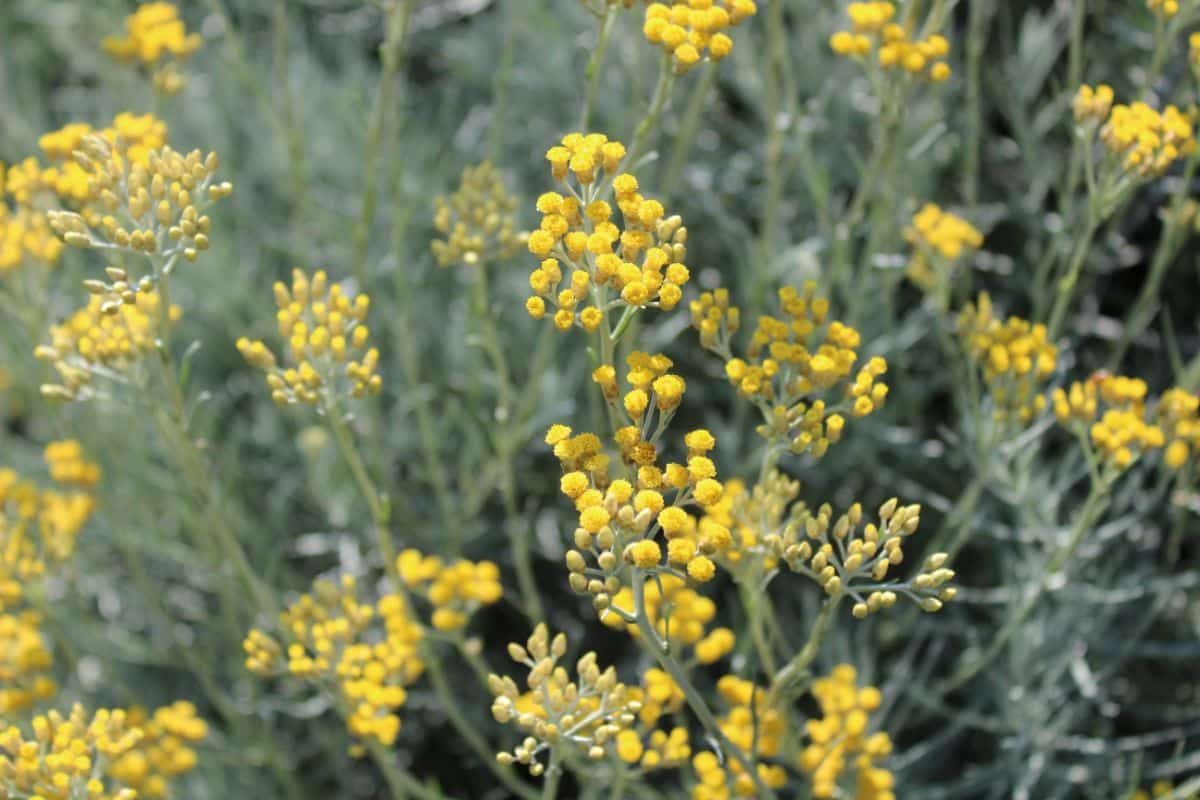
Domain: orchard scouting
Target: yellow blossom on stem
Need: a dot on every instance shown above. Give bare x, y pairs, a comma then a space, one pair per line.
841, 744
456, 590
477, 221
1015, 357
156, 38
874, 36
1109, 413
691, 31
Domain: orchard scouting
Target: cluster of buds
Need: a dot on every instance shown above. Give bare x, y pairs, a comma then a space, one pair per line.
679, 614
845, 561
328, 353
792, 367
68, 753
369, 652
598, 260
692, 30
745, 518
587, 714
1015, 356
1139, 140
154, 208
873, 34
477, 221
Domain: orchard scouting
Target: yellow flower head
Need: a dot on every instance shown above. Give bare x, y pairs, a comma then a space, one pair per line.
1015, 357
939, 239
589, 263
1111, 410
456, 591
693, 30
840, 739
792, 366
156, 38
328, 351
1147, 142
370, 651
874, 37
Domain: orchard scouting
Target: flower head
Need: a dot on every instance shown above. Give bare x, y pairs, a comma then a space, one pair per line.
874, 36
691, 31
477, 221
1015, 357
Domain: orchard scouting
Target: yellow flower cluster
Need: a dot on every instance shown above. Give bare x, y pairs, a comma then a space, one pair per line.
101, 339
1180, 422
872, 32
835, 554
154, 208
1120, 434
691, 30
164, 751
753, 726
25, 663
1146, 141
96, 756
588, 713
1163, 8
679, 614
939, 238
456, 591
155, 37
1015, 357
841, 748
619, 520
790, 362
651, 747
1160, 789
1194, 50
580, 244
25, 234
328, 354
39, 526
370, 652
477, 221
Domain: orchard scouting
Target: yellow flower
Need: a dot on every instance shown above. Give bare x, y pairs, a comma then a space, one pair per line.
1015, 357
587, 261
840, 739
456, 591
1147, 142
873, 31
1111, 409
690, 31
156, 38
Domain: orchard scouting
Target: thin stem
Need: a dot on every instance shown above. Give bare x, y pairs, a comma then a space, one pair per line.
795, 669
594, 67
554, 772
776, 72
979, 16
645, 128
377, 504
1091, 509
1066, 287
391, 51
688, 126
654, 643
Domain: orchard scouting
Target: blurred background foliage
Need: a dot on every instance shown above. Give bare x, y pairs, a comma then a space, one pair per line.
1098, 692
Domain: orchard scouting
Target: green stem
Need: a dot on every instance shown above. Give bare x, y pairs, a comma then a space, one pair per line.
594, 67
500, 85
297, 171
1091, 509
1065, 290
773, 189
645, 128
378, 504
979, 17
686, 135
796, 669
554, 772
654, 643
397, 15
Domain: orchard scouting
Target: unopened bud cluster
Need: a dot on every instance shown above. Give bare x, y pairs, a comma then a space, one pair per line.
477, 221
585, 713
847, 561
153, 207
328, 353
